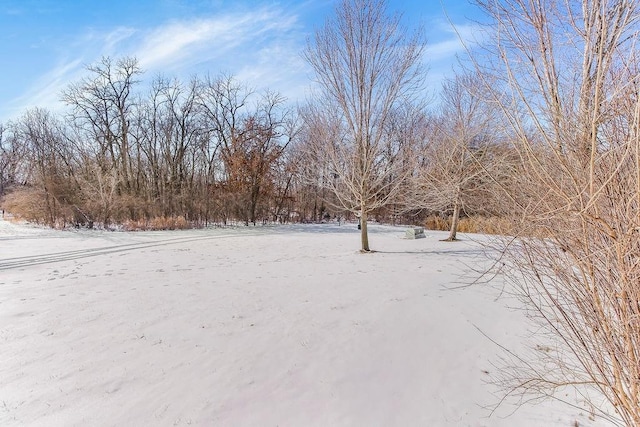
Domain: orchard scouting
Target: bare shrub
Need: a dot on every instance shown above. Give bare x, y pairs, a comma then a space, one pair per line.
27, 203
570, 94
33, 204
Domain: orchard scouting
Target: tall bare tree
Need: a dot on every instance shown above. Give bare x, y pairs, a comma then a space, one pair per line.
571, 85
366, 64
252, 132
102, 105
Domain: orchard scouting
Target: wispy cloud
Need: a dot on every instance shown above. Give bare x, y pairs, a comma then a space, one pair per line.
45, 91
115, 38
170, 45
260, 47
452, 45
225, 39
457, 39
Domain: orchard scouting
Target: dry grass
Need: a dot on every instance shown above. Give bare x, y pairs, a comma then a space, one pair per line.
27, 204
158, 223
31, 204
475, 224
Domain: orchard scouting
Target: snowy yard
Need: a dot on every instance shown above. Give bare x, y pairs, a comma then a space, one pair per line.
273, 326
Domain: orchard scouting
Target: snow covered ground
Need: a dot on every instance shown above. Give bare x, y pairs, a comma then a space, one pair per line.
266, 326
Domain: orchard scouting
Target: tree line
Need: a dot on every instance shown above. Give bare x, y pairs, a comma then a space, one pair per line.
210, 150
207, 150
213, 151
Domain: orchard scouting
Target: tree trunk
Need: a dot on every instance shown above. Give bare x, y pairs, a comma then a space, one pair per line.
364, 236
454, 223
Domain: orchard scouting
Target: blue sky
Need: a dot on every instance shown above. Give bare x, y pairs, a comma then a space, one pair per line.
45, 44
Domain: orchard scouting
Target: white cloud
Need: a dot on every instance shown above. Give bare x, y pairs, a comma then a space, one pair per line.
457, 40
170, 44
260, 47
280, 67
265, 41
452, 44
224, 39
45, 92
117, 37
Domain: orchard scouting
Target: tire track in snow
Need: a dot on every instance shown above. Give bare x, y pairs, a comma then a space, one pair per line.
28, 261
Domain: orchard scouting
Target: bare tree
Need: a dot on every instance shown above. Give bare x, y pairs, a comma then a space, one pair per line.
464, 160
102, 105
214, 149
6, 161
51, 172
180, 130
252, 132
366, 64
571, 84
